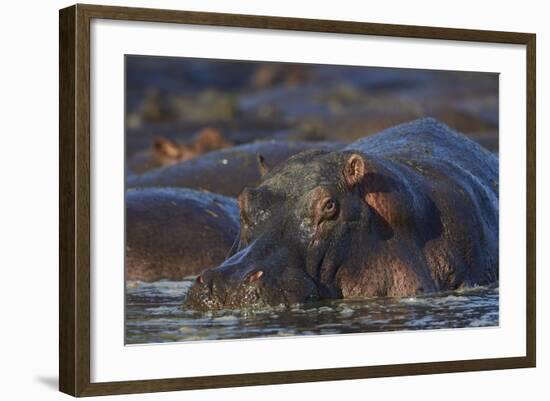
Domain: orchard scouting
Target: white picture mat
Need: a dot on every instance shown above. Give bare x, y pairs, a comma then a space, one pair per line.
112, 361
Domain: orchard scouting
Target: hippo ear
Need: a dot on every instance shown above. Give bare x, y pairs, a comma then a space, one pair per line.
354, 170
262, 166
166, 147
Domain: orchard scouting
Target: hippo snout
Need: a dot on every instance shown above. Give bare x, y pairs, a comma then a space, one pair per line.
214, 279
256, 276
221, 283
219, 288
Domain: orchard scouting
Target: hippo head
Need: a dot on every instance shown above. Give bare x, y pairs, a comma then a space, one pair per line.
297, 230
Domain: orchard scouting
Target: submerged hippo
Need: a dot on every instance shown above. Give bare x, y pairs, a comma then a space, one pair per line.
411, 210
166, 152
175, 233
226, 171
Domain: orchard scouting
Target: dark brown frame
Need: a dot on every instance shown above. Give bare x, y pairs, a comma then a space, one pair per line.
74, 202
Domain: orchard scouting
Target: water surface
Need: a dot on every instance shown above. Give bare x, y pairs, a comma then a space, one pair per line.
154, 315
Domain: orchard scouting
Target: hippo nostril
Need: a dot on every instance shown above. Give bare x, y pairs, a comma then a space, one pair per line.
255, 276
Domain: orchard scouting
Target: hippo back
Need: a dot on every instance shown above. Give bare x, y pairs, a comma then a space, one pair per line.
432, 144
172, 233
451, 187
226, 171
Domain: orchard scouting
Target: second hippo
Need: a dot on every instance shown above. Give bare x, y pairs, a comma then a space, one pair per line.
226, 171
172, 233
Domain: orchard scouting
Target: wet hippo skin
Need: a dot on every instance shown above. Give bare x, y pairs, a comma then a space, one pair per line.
175, 233
411, 210
226, 171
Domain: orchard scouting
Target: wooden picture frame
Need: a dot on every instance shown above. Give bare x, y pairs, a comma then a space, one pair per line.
74, 204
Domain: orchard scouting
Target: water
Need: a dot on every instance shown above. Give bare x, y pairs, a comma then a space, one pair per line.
154, 315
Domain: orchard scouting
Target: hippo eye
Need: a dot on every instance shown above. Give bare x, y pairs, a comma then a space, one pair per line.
329, 206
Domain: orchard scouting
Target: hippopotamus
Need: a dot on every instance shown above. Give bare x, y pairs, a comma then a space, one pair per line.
166, 152
226, 171
174, 233
408, 211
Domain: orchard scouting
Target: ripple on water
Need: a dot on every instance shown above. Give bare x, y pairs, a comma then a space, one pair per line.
488, 319
413, 300
163, 310
229, 319
346, 312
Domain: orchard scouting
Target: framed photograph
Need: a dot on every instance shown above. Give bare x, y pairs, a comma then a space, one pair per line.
250, 200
